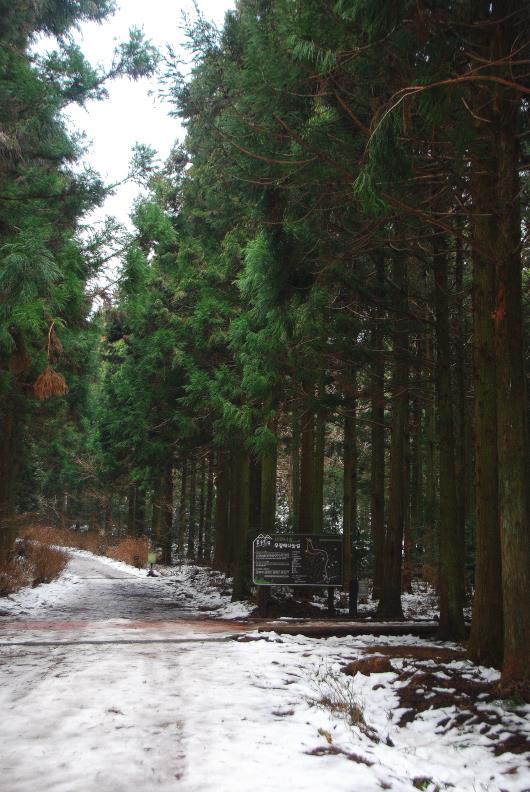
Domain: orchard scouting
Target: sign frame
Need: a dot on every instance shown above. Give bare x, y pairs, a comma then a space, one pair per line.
334, 539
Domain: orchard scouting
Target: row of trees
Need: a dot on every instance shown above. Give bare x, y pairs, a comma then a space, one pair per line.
45, 262
326, 282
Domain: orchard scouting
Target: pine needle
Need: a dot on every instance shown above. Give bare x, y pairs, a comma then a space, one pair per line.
48, 384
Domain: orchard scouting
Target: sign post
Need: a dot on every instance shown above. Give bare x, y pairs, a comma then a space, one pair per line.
297, 560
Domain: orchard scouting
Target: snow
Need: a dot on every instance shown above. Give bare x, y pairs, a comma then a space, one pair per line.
111, 680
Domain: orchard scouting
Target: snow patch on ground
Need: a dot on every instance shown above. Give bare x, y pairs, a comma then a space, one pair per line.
131, 692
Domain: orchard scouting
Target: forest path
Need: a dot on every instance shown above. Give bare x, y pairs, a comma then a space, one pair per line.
112, 681
98, 599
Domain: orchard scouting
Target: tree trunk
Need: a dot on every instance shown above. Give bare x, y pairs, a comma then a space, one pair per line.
295, 477
209, 509
7, 478
166, 522
139, 512
239, 523
269, 464
202, 509
451, 583
377, 472
486, 640
182, 506
131, 509
223, 540
192, 514
512, 426
307, 471
349, 503
390, 601
318, 469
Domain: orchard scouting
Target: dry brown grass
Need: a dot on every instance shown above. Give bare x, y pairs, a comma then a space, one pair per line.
46, 562
34, 563
131, 551
14, 576
63, 537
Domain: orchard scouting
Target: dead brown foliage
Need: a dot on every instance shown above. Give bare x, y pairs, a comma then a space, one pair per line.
32, 564
419, 652
49, 384
63, 537
46, 562
368, 665
131, 550
427, 690
13, 576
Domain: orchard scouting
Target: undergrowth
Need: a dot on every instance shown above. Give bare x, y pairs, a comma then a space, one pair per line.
33, 563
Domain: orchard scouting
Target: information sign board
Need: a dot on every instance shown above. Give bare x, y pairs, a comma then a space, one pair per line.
297, 560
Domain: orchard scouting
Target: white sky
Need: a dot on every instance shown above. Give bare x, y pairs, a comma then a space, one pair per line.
131, 115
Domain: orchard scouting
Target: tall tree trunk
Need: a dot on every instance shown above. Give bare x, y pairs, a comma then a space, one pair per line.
223, 539
390, 601
349, 502
139, 512
377, 470
486, 640
8, 468
462, 463
512, 422
192, 514
202, 509
318, 467
430, 522
269, 464
156, 510
131, 509
166, 522
416, 475
239, 523
208, 523
451, 582
295, 468
307, 472
181, 527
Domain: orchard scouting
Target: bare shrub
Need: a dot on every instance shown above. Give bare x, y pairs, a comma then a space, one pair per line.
63, 537
335, 694
46, 562
130, 550
13, 576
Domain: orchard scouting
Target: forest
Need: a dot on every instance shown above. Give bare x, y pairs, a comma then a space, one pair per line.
320, 321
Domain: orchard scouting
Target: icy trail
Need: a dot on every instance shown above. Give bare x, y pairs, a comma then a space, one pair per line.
111, 681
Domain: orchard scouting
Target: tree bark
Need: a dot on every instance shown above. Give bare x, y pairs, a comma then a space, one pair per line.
487, 629
451, 583
269, 464
377, 471
240, 522
307, 472
390, 601
349, 503
295, 472
181, 528
223, 540
192, 513
512, 426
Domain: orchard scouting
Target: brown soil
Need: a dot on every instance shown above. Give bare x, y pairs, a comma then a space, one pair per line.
441, 653
426, 690
368, 665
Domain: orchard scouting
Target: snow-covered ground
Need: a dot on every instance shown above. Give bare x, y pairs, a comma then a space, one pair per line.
110, 680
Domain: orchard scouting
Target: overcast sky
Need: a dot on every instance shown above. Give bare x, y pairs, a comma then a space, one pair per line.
131, 114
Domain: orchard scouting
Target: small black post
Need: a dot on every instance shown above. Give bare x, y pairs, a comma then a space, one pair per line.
352, 599
264, 595
331, 600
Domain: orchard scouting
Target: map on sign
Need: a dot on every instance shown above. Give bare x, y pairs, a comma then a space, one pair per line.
297, 560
